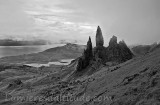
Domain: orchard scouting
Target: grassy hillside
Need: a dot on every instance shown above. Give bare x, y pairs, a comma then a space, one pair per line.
135, 82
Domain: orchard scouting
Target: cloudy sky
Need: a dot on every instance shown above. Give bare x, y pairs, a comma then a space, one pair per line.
135, 21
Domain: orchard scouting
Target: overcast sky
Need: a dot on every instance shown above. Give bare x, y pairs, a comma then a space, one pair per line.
135, 21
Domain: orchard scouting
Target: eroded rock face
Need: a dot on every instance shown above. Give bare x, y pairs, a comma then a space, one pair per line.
87, 56
89, 49
80, 64
118, 52
126, 53
99, 37
100, 53
99, 50
113, 41
115, 52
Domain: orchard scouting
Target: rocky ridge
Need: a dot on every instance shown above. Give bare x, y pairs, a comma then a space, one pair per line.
115, 52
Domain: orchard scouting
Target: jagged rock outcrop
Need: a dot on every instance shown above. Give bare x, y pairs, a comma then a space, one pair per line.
125, 52
100, 53
113, 41
115, 52
99, 50
89, 49
118, 52
99, 37
86, 57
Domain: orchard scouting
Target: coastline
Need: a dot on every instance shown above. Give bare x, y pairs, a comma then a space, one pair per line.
9, 51
53, 53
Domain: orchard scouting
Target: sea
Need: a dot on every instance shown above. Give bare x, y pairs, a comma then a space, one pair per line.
21, 50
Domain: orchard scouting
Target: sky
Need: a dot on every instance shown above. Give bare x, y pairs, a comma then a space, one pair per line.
134, 21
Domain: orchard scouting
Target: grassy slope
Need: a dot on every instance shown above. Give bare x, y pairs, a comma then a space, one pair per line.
135, 82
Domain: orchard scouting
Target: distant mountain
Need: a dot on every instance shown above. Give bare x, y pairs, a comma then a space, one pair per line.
67, 41
11, 42
68, 46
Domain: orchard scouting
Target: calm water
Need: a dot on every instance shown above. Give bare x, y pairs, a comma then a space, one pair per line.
61, 62
20, 50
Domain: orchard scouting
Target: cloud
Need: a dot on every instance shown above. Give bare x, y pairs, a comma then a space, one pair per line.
13, 20
132, 20
52, 18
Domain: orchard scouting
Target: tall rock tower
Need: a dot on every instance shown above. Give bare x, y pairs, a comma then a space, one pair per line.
99, 37
99, 50
89, 48
86, 58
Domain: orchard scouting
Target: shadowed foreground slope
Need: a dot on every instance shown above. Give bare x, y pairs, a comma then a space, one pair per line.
135, 82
